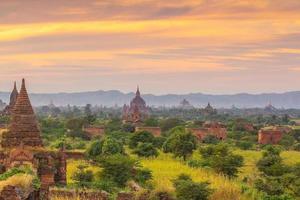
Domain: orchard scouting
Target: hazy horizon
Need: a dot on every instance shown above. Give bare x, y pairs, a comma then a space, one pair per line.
166, 47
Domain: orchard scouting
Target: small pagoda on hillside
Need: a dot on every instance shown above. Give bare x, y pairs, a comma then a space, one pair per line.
137, 111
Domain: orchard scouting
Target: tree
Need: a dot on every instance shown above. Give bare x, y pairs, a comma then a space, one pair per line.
83, 177
275, 176
180, 143
120, 169
287, 141
89, 117
170, 123
141, 137
151, 122
221, 159
111, 146
186, 189
107, 146
146, 150
211, 139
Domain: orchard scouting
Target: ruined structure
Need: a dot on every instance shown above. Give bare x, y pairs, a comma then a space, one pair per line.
137, 111
94, 131
210, 128
22, 145
269, 136
272, 135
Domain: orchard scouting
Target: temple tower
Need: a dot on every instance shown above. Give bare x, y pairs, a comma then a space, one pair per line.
23, 128
13, 99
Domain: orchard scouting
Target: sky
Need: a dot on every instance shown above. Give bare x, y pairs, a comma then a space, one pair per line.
174, 46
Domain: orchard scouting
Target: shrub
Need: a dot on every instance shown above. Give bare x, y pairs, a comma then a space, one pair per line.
187, 189
297, 147
244, 145
211, 139
140, 137
181, 144
221, 159
83, 177
118, 169
146, 150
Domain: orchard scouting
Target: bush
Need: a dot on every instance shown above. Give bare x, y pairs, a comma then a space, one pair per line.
143, 175
119, 169
180, 143
244, 145
105, 147
297, 147
221, 159
186, 189
83, 177
146, 150
211, 139
141, 137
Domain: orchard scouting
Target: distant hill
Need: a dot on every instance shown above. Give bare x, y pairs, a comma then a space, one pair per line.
114, 97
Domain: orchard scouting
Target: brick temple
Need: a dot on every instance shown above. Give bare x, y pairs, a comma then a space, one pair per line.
22, 144
137, 111
13, 99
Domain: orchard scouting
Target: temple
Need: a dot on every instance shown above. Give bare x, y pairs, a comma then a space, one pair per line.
137, 111
22, 145
13, 99
185, 104
209, 110
23, 127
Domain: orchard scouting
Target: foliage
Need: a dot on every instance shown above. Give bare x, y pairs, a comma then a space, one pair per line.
244, 145
118, 169
211, 139
187, 189
107, 146
83, 177
221, 159
141, 137
151, 122
146, 150
276, 178
170, 123
180, 143
287, 141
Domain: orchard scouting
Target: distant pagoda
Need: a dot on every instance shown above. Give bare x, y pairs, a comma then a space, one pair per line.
185, 104
13, 99
23, 128
137, 111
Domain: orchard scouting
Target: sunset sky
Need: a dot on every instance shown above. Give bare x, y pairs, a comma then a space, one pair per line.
166, 46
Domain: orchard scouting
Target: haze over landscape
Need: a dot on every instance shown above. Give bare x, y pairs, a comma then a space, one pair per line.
186, 46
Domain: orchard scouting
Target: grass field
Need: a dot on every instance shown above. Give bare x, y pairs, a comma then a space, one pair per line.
165, 168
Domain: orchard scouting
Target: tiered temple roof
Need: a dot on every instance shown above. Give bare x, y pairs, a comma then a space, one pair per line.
137, 110
23, 128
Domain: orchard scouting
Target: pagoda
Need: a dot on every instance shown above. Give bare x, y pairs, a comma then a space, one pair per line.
23, 128
13, 99
137, 111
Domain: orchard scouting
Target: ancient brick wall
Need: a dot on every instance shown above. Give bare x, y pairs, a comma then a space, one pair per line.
94, 131
72, 194
269, 136
201, 133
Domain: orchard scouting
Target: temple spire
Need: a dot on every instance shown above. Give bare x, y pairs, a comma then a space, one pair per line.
138, 91
23, 127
